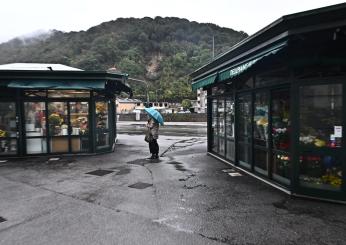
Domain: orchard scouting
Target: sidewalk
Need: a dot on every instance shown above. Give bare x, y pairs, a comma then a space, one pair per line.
185, 197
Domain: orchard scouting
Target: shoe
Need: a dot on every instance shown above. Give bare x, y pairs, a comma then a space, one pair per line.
156, 156
152, 156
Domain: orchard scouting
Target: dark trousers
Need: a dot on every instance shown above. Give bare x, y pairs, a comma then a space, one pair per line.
154, 147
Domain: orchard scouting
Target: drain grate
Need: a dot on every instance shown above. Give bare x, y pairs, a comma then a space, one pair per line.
100, 172
140, 185
2, 219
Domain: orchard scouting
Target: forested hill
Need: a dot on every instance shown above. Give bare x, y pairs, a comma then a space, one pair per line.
162, 51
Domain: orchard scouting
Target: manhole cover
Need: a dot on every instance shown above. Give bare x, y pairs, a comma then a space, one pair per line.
2, 219
140, 185
100, 172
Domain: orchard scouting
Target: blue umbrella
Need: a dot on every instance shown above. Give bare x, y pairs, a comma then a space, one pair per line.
154, 114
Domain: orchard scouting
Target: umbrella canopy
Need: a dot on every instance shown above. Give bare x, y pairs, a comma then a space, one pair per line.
155, 115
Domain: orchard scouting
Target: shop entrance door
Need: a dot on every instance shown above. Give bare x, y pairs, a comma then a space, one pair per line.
8, 128
68, 126
102, 123
230, 129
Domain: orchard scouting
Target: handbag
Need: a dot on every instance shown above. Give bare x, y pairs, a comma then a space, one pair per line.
148, 137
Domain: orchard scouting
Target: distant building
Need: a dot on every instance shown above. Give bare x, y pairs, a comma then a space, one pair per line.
201, 105
125, 106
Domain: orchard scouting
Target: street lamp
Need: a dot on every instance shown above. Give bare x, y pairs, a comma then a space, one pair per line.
146, 86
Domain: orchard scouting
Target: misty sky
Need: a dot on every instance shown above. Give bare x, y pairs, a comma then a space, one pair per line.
20, 17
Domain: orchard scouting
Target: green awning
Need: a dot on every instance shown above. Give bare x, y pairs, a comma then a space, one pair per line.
204, 82
56, 84
240, 68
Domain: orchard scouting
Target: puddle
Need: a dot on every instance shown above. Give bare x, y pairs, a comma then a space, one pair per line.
140, 185
123, 171
193, 187
139, 162
178, 166
100, 172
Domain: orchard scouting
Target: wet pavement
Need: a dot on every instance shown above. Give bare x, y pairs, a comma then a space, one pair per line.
185, 197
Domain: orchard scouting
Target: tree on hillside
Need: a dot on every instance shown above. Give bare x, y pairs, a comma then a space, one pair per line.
162, 51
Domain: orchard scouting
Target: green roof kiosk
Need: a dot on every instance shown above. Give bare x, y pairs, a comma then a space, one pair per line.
277, 104
55, 109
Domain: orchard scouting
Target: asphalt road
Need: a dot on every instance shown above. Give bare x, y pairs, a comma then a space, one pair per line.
183, 198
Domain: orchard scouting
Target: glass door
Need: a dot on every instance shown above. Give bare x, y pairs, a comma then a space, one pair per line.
58, 125
320, 139
8, 129
244, 132
261, 132
102, 122
214, 127
230, 123
35, 127
79, 126
68, 124
221, 125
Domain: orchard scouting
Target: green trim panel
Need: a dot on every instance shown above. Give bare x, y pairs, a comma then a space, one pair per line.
204, 82
238, 69
56, 84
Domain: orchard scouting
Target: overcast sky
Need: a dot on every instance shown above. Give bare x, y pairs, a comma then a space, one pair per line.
20, 17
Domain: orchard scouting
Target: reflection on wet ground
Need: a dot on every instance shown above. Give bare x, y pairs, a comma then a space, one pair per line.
168, 130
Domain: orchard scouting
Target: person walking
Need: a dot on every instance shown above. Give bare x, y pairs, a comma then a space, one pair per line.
152, 136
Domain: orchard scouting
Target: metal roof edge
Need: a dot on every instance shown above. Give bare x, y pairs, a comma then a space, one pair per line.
43, 74
252, 39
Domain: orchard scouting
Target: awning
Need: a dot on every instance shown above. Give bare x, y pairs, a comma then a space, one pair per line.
237, 69
56, 84
204, 82
240, 68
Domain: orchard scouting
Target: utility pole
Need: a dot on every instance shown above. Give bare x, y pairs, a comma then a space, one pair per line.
213, 46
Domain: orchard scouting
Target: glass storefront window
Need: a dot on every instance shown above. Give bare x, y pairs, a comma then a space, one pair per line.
320, 171
8, 128
244, 155
35, 93
59, 144
8, 146
281, 120
321, 115
261, 119
277, 76
282, 168
230, 122
261, 161
80, 144
101, 115
57, 118
36, 145
79, 114
245, 118
245, 83
35, 118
